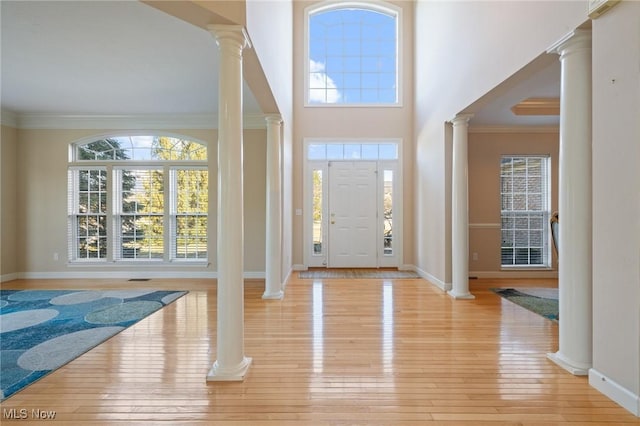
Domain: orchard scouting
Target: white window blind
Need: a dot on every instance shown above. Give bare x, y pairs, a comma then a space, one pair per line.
525, 205
138, 198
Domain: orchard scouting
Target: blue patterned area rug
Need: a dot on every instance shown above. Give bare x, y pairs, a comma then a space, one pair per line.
542, 301
42, 330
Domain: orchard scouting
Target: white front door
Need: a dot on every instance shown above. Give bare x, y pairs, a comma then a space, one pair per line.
352, 214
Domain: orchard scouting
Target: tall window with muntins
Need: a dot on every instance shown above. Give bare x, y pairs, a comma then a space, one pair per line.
138, 198
387, 199
352, 54
525, 199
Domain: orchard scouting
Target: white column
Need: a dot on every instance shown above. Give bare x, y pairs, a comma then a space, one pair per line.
231, 364
273, 260
460, 210
574, 199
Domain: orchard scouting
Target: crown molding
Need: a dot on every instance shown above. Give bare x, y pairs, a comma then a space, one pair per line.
514, 129
8, 118
124, 122
537, 106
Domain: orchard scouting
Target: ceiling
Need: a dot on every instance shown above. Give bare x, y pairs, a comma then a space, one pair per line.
105, 58
128, 58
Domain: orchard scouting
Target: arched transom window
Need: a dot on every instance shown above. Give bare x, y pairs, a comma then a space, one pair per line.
138, 198
352, 54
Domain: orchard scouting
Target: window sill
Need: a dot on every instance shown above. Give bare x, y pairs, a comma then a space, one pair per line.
144, 263
526, 268
336, 105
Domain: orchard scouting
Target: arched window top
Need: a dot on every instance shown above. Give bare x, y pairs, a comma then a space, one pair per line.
352, 53
140, 148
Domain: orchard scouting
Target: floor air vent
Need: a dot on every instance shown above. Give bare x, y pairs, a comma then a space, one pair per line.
139, 279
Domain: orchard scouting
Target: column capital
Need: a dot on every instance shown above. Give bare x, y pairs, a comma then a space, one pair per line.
273, 119
235, 33
461, 119
576, 39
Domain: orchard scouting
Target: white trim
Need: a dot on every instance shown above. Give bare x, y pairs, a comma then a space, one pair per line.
298, 267
514, 129
396, 165
124, 122
433, 280
9, 277
407, 267
485, 226
374, 5
615, 391
526, 273
128, 274
9, 118
253, 275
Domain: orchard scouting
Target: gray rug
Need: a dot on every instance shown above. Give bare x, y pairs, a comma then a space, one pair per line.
542, 301
349, 273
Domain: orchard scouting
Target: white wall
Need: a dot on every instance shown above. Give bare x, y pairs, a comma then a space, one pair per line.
270, 24
616, 204
463, 50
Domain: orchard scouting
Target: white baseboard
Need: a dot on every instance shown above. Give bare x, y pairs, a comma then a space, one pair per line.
129, 274
286, 279
514, 274
615, 391
300, 267
8, 277
432, 279
254, 275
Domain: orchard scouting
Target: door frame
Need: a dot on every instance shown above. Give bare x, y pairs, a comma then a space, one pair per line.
383, 260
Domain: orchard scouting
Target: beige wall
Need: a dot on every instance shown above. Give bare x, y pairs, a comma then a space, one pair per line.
272, 39
485, 150
616, 204
42, 160
8, 203
463, 50
353, 122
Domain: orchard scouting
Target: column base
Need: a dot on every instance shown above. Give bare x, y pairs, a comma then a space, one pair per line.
277, 295
237, 374
457, 295
575, 368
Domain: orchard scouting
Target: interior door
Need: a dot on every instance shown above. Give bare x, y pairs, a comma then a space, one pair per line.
352, 214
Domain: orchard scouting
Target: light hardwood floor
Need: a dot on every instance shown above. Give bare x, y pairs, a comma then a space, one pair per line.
333, 352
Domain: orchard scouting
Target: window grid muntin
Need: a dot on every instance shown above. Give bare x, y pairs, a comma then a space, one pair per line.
524, 188
184, 244
366, 77
145, 221
387, 201
88, 225
114, 179
318, 204
352, 151
140, 148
